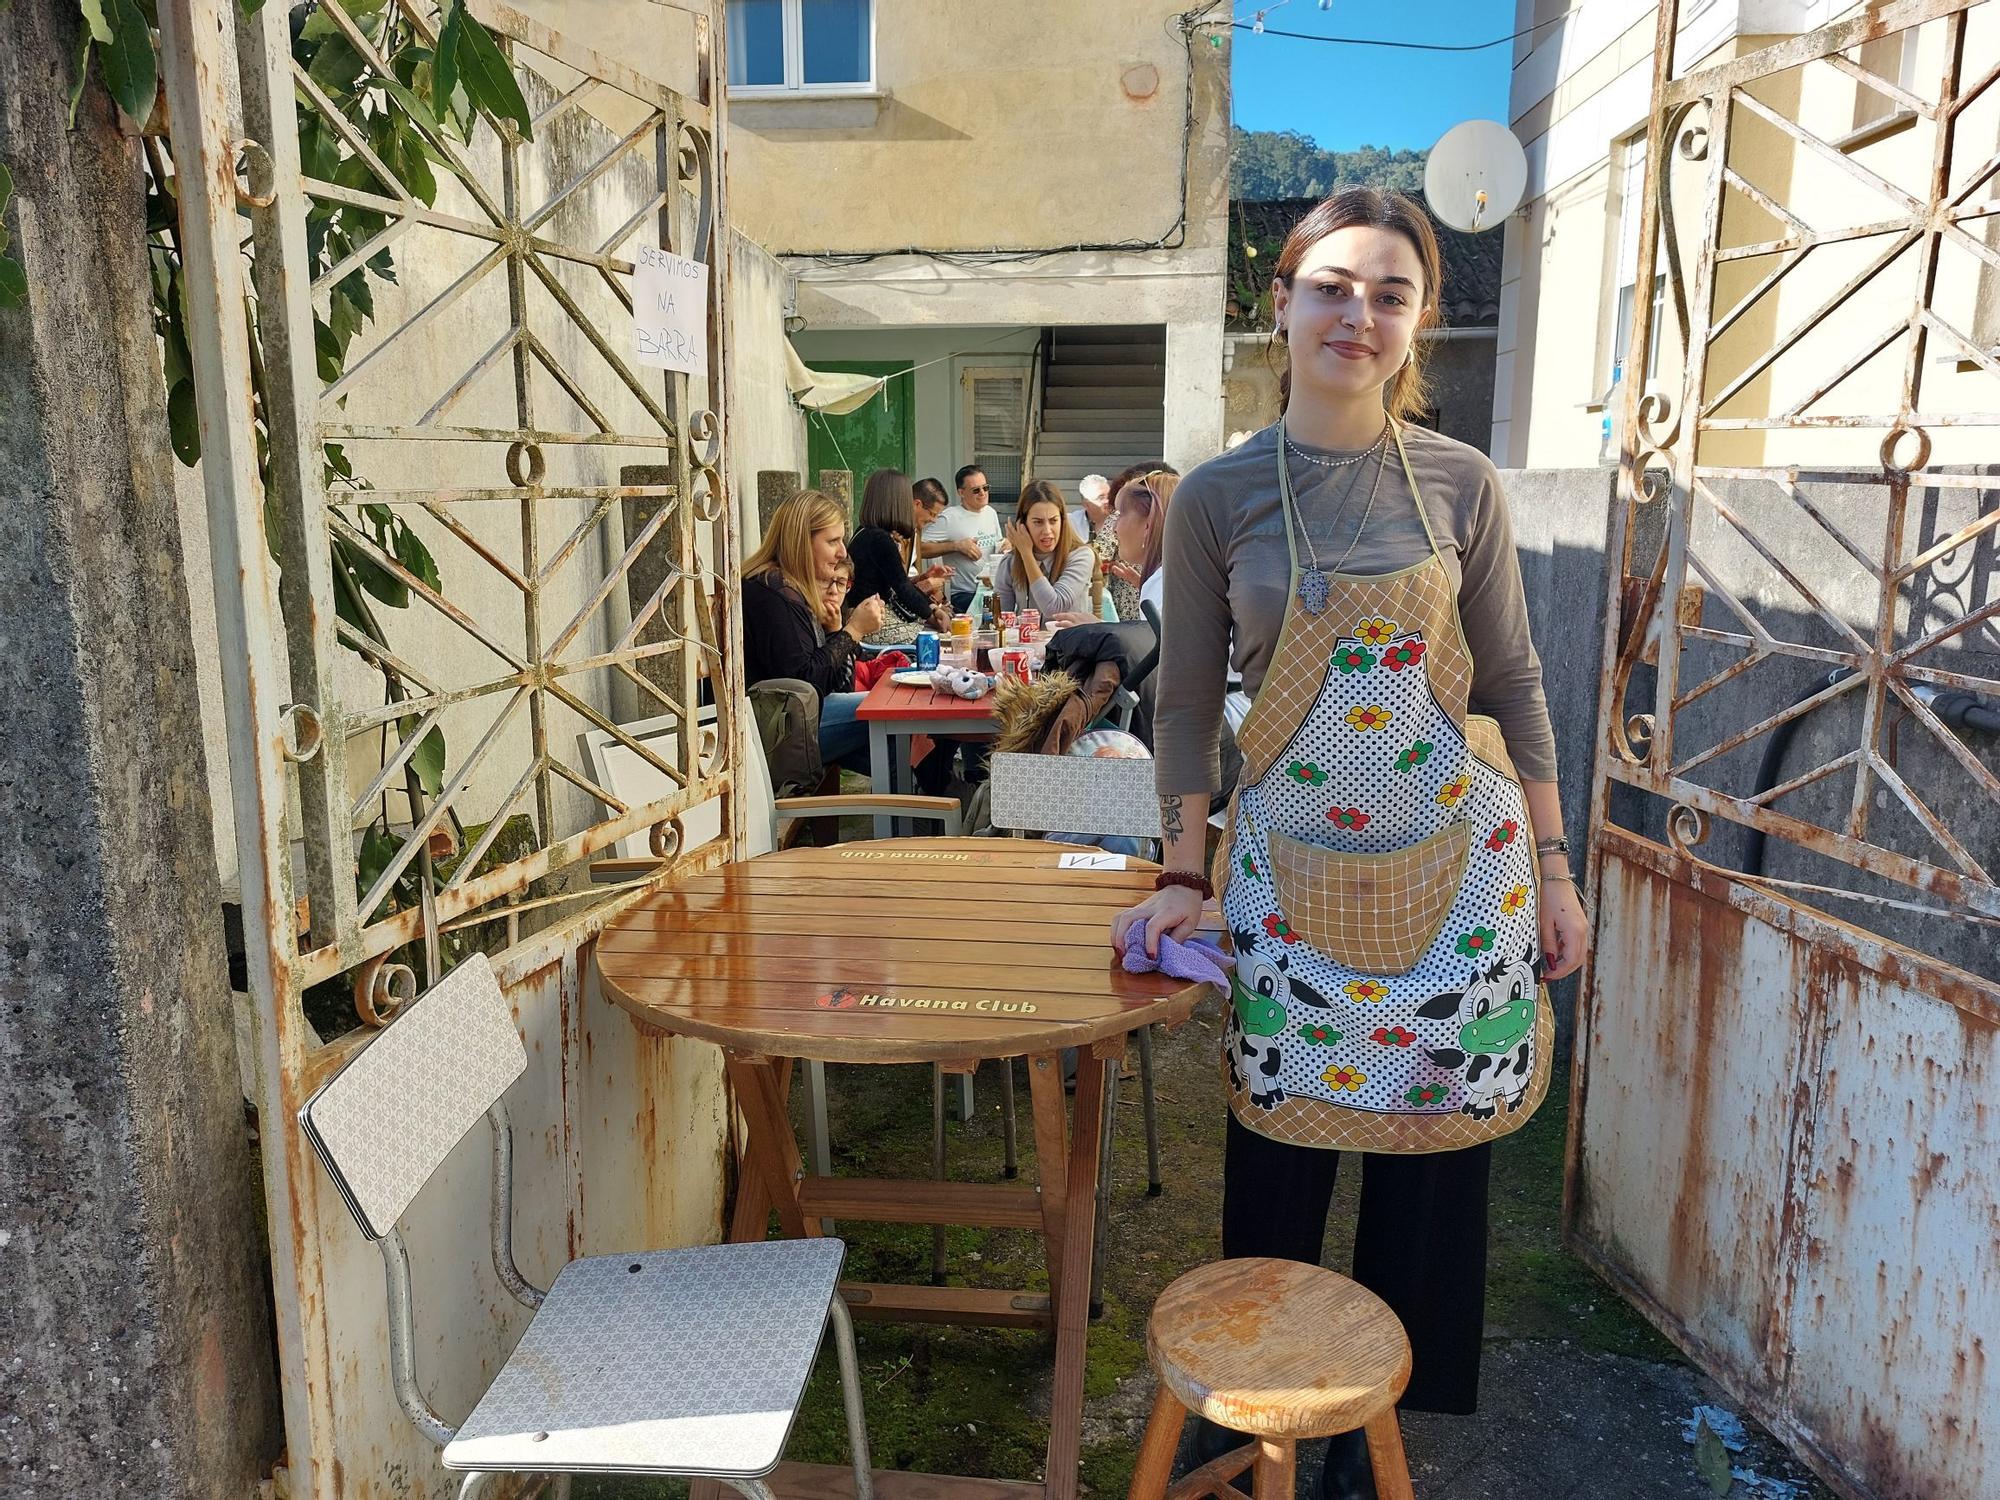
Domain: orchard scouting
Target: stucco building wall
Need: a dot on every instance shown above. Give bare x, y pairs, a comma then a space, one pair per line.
1026, 129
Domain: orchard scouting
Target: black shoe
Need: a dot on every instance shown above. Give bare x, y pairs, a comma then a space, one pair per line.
1348, 1475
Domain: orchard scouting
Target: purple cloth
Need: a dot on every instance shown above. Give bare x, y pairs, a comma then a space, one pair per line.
1192, 960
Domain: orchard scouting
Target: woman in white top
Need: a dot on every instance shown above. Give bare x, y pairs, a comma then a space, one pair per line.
1051, 565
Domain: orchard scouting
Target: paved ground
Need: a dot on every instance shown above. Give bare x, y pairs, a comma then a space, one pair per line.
1579, 1396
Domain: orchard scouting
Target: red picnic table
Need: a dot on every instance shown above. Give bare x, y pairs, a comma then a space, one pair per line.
894, 713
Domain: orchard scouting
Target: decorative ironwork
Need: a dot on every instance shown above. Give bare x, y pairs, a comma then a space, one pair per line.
562, 631
489, 408
1733, 457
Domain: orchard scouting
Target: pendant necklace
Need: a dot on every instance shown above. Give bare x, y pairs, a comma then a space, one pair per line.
1314, 589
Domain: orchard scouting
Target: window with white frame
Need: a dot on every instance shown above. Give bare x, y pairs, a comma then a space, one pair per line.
779, 47
1631, 215
1894, 59
994, 433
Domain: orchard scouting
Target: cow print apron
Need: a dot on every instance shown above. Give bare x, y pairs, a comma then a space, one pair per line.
1377, 874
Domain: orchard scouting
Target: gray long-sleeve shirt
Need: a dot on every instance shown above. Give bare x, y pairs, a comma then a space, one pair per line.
1051, 595
1228, 579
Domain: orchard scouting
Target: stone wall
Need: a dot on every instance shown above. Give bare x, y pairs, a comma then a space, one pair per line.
135, 1324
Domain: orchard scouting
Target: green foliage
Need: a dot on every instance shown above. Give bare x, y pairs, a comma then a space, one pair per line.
131, 71
470, 62
1287, 164
13, 279
1711, 1460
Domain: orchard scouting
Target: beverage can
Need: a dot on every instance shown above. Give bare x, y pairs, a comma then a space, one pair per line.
1031, 619
927, 650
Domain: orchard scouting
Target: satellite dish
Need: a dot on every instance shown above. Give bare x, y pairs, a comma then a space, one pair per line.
1476, 175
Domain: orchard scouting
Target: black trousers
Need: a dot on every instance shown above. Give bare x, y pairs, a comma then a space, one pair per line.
1419, 1243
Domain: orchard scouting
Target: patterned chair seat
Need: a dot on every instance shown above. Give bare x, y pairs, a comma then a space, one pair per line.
667, 1361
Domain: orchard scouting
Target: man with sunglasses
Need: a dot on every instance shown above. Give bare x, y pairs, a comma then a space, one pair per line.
968, 531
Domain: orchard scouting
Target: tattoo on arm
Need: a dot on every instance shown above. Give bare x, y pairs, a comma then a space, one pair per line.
1170, 817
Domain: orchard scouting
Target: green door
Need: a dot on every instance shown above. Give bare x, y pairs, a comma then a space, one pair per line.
881, 435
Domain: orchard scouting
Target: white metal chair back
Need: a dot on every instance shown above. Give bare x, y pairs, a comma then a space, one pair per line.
627, 774
1100, 796
385, 1122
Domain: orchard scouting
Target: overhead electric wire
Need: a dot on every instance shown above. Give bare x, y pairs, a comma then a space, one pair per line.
1370, 41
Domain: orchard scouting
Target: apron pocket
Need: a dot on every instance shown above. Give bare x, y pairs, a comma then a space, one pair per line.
1374, 912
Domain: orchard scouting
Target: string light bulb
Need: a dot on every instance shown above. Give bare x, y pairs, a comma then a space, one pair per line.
1258, 24
1326, 4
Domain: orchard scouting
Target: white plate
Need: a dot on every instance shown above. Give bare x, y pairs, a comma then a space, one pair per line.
911, 678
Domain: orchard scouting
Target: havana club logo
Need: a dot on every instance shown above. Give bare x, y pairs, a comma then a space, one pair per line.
846, 999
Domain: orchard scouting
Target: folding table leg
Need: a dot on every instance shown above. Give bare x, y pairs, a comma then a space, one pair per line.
819, 1139
1153, 1187
1103, 1192
771, 1151
1013, 1169
1045, 1094
937, 1168
1070, 1287
879, 777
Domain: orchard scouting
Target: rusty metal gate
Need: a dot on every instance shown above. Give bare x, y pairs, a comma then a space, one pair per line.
415, 777
1782, 1135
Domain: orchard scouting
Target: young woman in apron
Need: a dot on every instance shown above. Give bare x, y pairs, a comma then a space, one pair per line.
1392, 872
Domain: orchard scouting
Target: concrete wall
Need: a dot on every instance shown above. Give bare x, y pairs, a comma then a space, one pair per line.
1030, 127
135, 1331
1250, 383
769, 430
1461, 377
1036, 123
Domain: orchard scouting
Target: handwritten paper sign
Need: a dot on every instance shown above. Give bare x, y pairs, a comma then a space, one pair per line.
670, 311
1091, 862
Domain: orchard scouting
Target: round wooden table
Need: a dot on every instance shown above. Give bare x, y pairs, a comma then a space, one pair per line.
912, 951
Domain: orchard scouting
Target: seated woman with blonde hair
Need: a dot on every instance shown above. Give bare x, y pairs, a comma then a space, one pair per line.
1051, 566
792, 626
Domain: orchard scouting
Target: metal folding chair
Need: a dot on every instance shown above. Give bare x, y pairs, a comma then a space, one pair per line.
661, 1362
1100, 797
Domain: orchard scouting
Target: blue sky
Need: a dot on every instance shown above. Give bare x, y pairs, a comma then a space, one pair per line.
1344, 97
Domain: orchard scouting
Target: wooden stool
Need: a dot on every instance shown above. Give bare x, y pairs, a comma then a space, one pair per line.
1280, 1350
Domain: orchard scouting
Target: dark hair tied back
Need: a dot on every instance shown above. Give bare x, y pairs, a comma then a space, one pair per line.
1372, 208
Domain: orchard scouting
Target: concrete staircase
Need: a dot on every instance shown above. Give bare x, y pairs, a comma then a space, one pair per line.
1103, 403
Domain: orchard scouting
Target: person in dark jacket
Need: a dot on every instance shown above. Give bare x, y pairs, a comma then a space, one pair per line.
883, 550
784, 633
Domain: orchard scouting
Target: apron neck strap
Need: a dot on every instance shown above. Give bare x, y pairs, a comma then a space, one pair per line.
1289, 502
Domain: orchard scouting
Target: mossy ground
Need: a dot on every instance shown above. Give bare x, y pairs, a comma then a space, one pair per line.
975, 1401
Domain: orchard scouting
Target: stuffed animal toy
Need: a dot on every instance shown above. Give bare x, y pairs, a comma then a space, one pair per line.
961, 682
